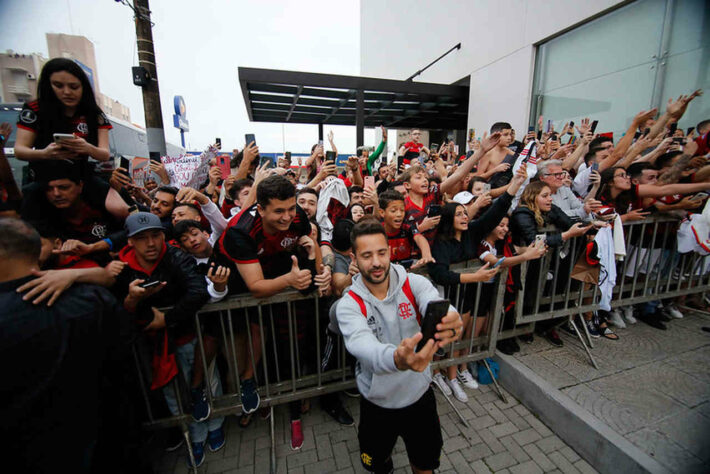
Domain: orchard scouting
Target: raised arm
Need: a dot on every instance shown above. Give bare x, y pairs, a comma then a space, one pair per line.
487, 144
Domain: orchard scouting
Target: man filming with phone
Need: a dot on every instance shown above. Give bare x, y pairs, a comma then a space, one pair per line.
380, 320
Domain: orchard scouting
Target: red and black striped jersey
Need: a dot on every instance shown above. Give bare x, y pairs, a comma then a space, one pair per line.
414, 215
401, 243
245, 241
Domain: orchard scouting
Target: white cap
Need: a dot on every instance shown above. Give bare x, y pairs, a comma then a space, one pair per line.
464, 197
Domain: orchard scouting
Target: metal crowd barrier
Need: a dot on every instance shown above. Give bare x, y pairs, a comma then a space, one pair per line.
291, 327
653, 269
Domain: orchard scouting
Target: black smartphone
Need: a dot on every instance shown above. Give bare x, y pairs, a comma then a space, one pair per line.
400, 163
149, 284
330, 156
531, 129
248, 138
673, 128
553, 137
126, 165
594, 126
218, 142
636, 135
690, 130
435, 311
265, 159
287, 155
678, 140
571, 128
434, 210
595, 166
539, 134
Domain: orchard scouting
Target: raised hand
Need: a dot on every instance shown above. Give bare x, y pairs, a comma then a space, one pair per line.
490, 142
298, 279
406, 359
485, 273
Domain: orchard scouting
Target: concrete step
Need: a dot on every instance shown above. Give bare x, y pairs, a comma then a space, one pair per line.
591, 438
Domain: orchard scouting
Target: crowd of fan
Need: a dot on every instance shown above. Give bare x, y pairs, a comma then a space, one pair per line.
107, 258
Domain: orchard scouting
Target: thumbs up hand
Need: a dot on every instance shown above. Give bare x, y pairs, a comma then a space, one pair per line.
298, 279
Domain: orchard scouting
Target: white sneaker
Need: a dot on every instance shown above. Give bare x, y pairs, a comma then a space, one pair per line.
673, 311
628, 312
467, 379
441, 383
615, 319
458, 390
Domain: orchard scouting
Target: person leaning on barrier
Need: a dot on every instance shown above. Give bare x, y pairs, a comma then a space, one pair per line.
182, 289
457, 241
534, 213
378, 320
53, 358
270, 245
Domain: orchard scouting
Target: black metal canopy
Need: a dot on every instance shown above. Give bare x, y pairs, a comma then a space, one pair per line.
272, 95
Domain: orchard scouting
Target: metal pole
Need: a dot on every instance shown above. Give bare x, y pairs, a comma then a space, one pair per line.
360, 118
151, 93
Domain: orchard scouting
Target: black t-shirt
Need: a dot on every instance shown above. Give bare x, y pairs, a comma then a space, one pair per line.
77, 125
244, 241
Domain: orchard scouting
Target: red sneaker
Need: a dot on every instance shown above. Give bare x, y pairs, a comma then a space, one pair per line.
296, 435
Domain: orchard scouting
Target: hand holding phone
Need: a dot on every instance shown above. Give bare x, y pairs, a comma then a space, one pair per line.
62, 136
249, 137
435, 312
594, 126
369, 182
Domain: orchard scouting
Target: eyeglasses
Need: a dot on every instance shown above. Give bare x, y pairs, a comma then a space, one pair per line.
622, 176
557, 175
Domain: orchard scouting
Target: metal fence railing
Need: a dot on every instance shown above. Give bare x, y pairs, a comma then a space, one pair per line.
282, 340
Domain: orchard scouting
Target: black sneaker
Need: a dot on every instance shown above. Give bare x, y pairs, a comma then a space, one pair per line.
653, 321
514, 345
553, 338
505, 347
338, 412
174, 439
527, 338
200, 406
352, 392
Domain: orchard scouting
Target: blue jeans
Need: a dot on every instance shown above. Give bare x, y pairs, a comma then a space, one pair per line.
185, 356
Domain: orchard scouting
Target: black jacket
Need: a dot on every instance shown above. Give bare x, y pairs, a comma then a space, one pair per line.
185, 292
446, 252
52, 360
523, 226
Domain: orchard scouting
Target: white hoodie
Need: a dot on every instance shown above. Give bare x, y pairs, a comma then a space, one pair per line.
372, 340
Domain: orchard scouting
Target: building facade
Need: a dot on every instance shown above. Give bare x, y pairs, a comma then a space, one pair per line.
18, 75
563, 59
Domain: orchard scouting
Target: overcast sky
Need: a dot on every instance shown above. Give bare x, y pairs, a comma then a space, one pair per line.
198, 46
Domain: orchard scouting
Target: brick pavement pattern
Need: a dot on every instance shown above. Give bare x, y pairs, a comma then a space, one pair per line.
503, 438
652, 387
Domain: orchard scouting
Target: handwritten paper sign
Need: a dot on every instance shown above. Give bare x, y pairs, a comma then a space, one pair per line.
139, 170
188, 170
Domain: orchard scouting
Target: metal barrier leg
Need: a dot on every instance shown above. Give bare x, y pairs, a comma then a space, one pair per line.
495, 382
463, 420
586, 330
273, 441
581, 339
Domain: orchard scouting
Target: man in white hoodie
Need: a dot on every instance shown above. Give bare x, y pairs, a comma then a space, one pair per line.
379, 318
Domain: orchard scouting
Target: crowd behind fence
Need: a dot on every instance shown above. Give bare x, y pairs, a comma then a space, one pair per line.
653, 269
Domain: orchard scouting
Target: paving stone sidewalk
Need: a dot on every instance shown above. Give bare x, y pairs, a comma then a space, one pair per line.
652, 386
503, 438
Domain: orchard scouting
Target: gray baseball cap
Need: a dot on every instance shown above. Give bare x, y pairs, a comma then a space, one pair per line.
141, 221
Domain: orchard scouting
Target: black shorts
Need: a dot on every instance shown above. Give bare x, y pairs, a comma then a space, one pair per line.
417, 424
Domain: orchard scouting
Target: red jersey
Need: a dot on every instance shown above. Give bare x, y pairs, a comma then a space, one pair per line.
401, 243
414, 215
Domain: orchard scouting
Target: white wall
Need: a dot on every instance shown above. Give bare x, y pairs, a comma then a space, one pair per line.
398, 37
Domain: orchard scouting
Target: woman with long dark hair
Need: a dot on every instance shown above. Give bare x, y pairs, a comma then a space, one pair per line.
457, 240
66, 104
